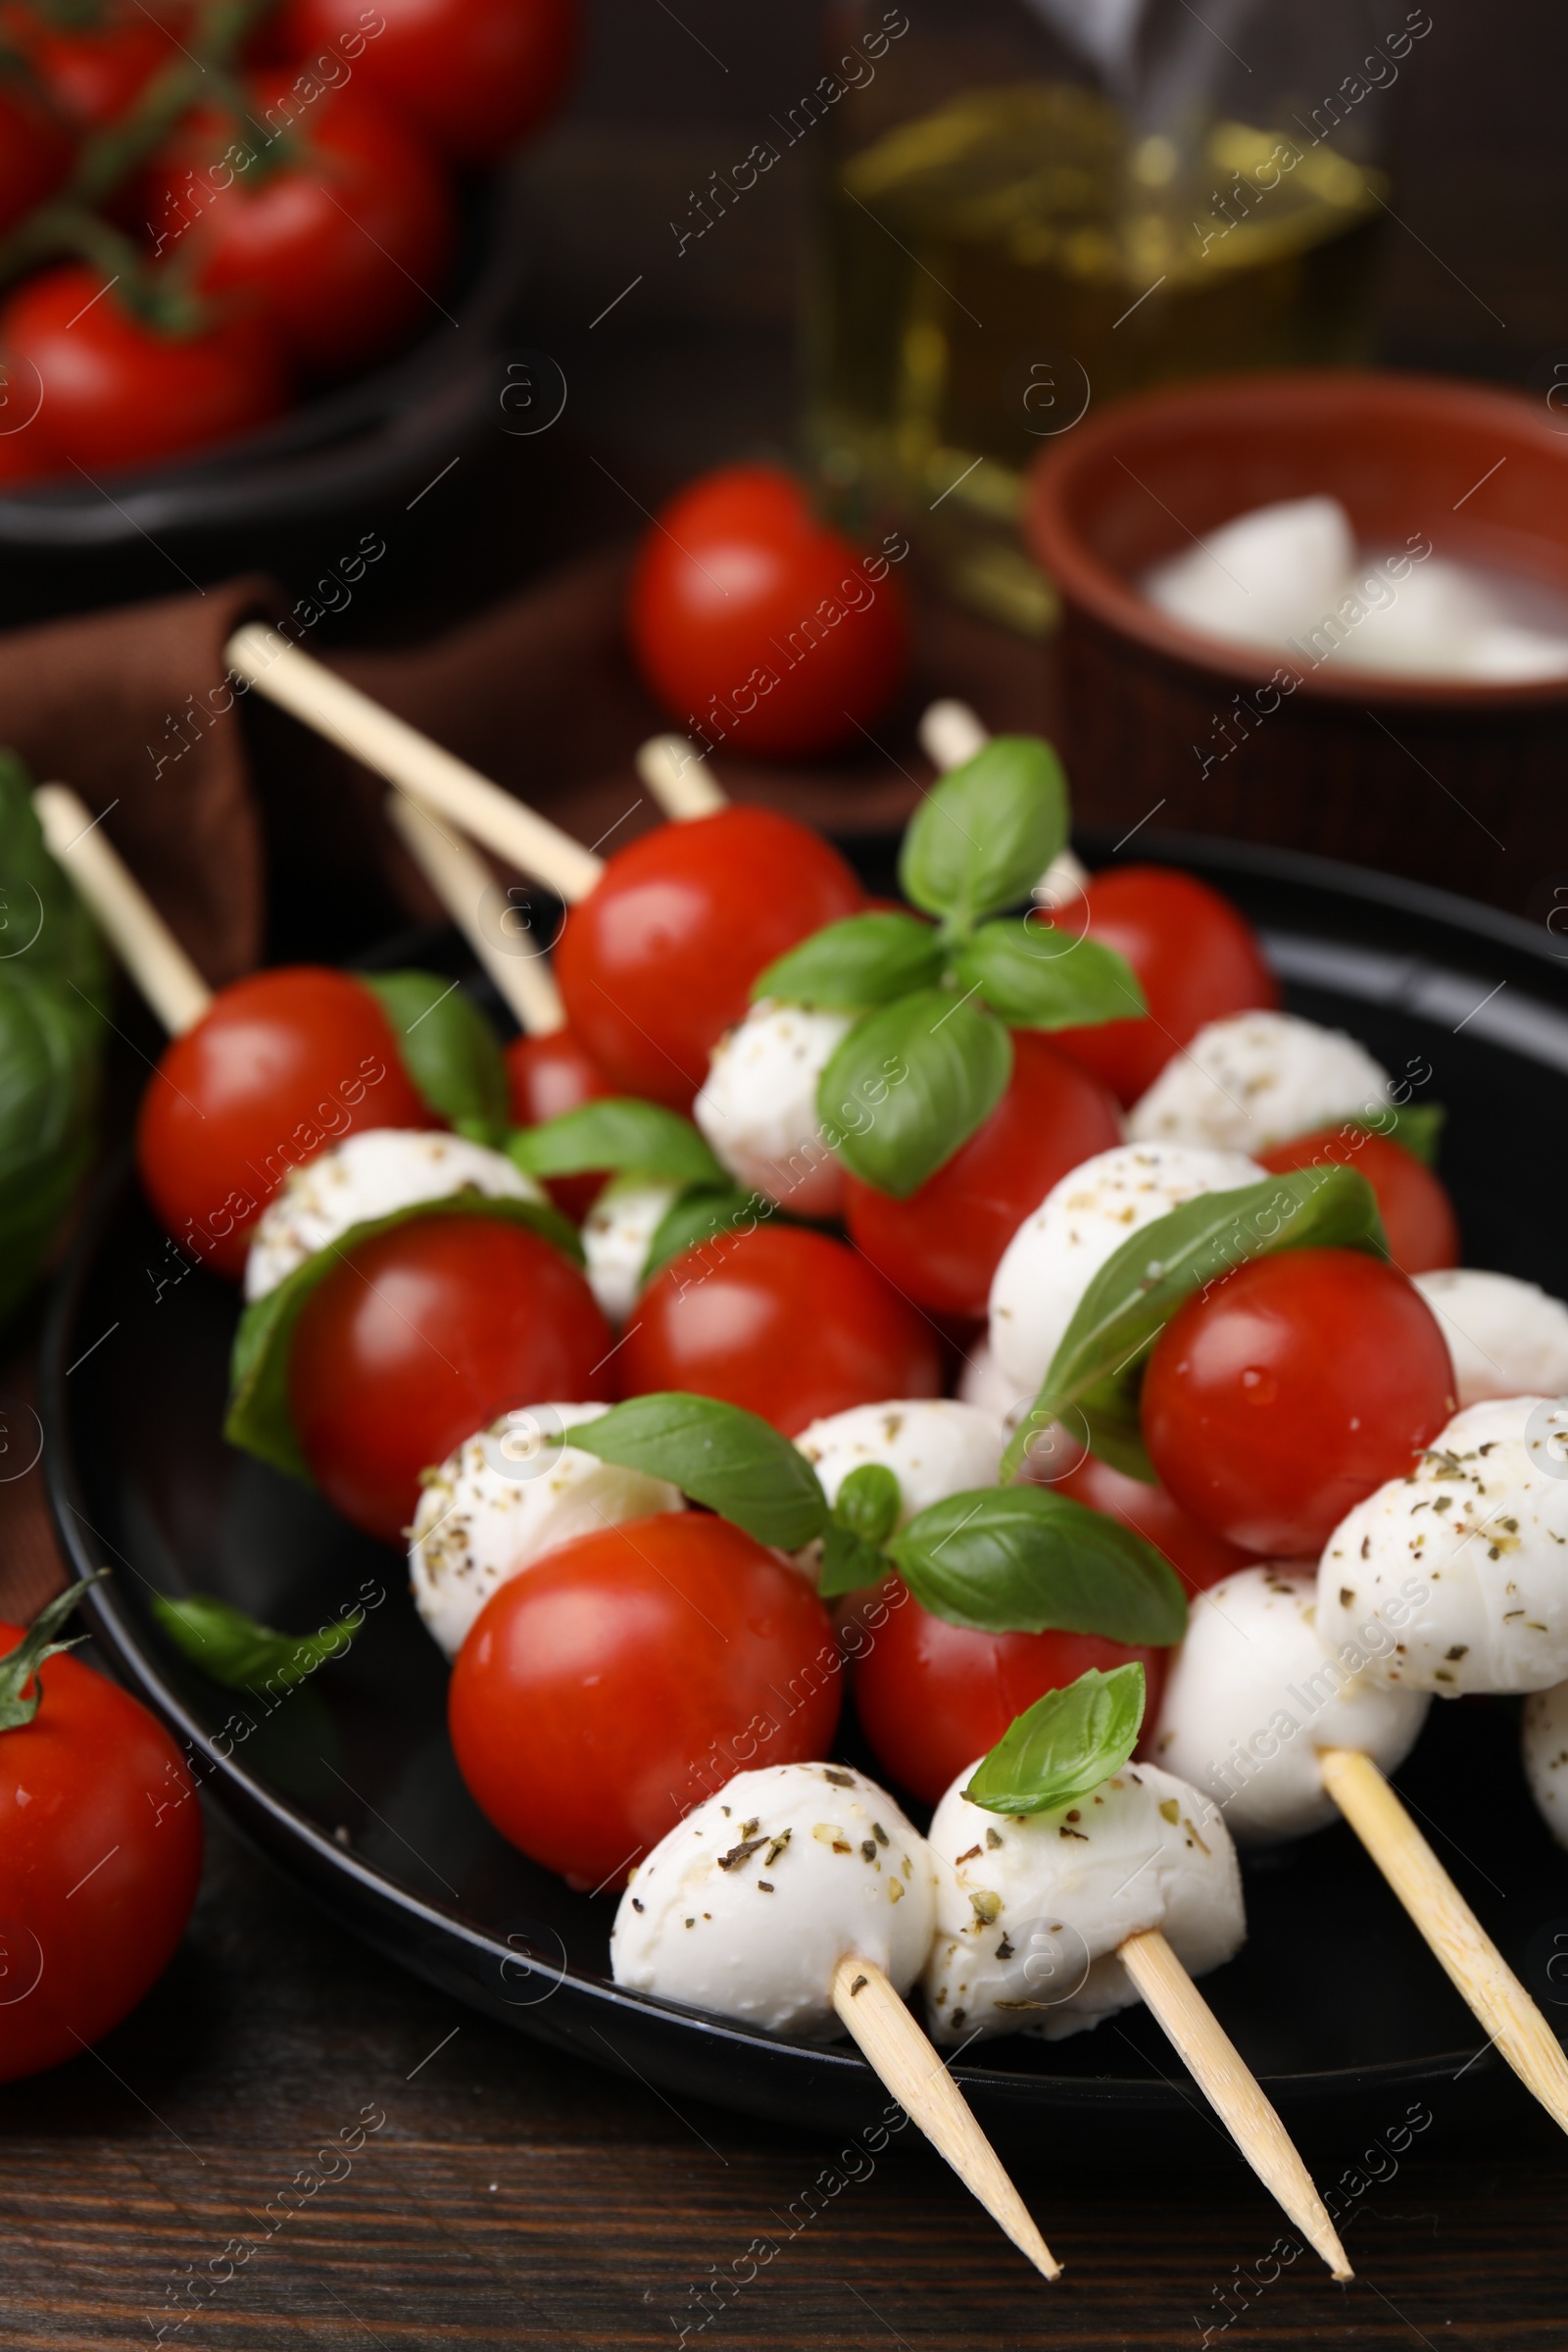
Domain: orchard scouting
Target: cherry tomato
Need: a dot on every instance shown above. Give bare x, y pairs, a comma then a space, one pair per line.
656, 964
118, 392
475, 75
785, 1322
1196, 957
424, 1335
1294, 1388
934, 1697
942, 1246
279, 1066
1200, 1557
627, 1676
100, 1854
93, 76
549, 1075
341, 237
1418, 1213
757, 625
35, 152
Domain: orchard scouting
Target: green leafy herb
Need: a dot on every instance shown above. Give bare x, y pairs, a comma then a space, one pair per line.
46, 931
731, 1460
985, 834
448, 1049
864, 961
1415, 1126
257, 1418
621, 1135
1098, 1366
866, 1511
909, 1084
1063, 1747
1028, 1560
241, 1654
19, 1667
1040, 977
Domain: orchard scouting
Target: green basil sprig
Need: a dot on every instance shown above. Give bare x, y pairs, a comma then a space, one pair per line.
1098, 1367
236, 1651
866, 1511
448, 1049
909, 1084
986, 832
699, 1217
719, 1454
1063, 1747
1028, 1560
1415, 1126
863, 960
622, 1135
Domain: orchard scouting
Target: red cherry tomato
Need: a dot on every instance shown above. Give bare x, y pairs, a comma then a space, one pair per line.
1196, 957
100, 1854
626, 1677
35, 152
785, 1322
549, 1075
92, 76
421, 1337
934, 1697
475, 75
1294, 1388
342, 244
1418, 1213
1200, 1557
279, 1066
757, 625
656, 964
941, 1245
120, 393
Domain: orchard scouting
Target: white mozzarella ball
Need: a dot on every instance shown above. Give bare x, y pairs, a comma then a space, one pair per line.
370, 1174
1506, 1337
1544, 1738
506, 1497
1032, 1910
1426, 629
1262, 577
1052, 1258
747, 1907
615, 1237
1505, 654
1456, 1578
935, 1447
1251, 1695
983, 1384
1255, 1078
757, 1107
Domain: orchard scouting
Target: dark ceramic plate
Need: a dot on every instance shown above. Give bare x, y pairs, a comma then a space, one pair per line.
349, 1784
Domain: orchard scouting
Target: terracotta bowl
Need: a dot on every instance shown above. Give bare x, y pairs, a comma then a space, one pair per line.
1464, 785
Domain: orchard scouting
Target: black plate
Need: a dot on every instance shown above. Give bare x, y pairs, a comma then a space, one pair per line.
350, 1783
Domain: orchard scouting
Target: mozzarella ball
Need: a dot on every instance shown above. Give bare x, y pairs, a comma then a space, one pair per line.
369, 1174
1507, 1338
615, 1237
506, 1497
751, 1902
1544, 1738
1032, 1909
1261, 577
983, 1384
757, 1107
1255, 1078
1456, 1578
1055, 1254
1251, 1695
934, 1446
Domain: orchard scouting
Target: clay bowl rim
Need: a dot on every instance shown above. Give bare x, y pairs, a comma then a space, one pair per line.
1087, 580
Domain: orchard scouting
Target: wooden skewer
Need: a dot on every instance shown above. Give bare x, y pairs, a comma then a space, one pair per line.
893, 2046
1477, 1968
950, 734
678, 779
1232, 2089
464, 883
138, 932
404, 756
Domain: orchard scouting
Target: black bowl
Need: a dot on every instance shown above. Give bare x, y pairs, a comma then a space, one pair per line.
350, 1784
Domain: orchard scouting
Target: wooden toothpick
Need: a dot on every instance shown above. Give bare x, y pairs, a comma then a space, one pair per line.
678, 779
1232, 2089
951, 733
893, 2046
132, 924
464, 884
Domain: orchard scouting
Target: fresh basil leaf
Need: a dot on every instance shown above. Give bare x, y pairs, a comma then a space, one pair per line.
909, 1084
1129, 1301
1028, 1560
1414, 1126
733, 1461
1063, 1747
50, 1053
448, 1049
257, 1418
242, 1656
984, 835
866, 1511
1039, 977
849, 1563
621, 1134
702, 1216
864, 961
46, 931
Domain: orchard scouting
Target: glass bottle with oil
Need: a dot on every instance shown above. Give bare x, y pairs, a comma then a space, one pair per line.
1030, 207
